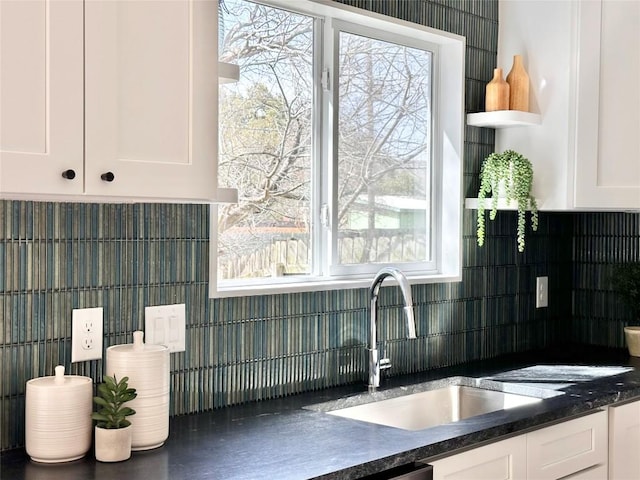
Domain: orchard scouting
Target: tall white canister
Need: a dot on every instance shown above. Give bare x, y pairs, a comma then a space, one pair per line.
58, 417
147, 367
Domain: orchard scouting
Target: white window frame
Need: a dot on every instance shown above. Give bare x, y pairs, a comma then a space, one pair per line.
446, 170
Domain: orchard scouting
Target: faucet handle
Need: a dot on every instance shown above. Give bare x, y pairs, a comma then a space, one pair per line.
385, 363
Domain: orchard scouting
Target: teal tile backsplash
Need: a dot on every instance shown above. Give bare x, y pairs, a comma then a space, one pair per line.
58, 256
601, 240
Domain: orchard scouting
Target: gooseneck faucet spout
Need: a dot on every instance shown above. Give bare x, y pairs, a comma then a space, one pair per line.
375, 363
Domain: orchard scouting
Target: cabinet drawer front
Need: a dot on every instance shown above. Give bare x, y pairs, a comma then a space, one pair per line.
560, 450
504, 460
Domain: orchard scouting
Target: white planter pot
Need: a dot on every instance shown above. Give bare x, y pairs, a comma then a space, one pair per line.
113, 444
632, 335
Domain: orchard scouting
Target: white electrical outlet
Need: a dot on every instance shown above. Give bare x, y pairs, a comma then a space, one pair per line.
542, 292
165, 325
86, 334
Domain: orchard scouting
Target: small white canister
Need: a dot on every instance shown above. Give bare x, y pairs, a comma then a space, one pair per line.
148, 369
58, 417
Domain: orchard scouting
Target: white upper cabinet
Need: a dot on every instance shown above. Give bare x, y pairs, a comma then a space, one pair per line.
608, 130
144, 76
151, 96
584, 67
41, 97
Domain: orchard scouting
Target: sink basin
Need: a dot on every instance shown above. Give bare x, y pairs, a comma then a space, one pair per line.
434, 407
434, 403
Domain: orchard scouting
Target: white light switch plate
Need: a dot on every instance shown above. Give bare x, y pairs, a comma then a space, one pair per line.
86, 334
166, 325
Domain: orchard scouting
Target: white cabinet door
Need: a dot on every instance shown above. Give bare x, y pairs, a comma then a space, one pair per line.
151, 98
503, 460
584, 68
624, 441
608, 106
567, 448
41, 95
549, 56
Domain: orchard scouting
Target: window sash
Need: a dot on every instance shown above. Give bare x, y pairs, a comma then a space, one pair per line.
333, 267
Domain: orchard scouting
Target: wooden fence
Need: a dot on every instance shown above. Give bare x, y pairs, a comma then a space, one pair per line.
291, 255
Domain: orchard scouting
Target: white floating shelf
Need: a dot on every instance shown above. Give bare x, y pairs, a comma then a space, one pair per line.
472, 204
503, 119
228, 72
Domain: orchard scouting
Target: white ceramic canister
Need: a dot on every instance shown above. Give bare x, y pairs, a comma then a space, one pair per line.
58, 417
147, 367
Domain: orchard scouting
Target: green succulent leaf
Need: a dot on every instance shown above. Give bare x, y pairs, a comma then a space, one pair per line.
101, 401
99, 417
126, 411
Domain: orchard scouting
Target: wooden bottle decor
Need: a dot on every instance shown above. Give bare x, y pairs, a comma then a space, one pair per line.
496, 93
518, 80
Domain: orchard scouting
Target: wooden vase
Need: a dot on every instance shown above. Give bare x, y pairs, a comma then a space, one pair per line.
497, 93
518, 80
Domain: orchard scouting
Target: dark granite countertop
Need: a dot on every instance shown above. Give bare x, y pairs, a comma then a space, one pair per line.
279, 439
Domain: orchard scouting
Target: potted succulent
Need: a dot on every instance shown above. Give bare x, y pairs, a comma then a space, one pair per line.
626, 282
113, 430
507, 175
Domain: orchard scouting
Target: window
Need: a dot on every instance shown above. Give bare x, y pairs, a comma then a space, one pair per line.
384, 153
341, 146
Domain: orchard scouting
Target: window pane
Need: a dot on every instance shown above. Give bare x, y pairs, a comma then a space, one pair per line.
384, 139
265, 141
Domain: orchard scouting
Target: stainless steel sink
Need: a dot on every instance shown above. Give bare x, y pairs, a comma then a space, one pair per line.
436, 406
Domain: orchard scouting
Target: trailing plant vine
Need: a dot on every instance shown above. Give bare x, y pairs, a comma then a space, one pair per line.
514, 173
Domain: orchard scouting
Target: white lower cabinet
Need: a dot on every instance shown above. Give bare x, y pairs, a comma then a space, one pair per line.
568, 448
575, 449
503, 460
599, 472
624, 441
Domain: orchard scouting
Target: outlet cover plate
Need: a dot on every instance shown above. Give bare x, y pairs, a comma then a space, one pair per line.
542, 292
166, 325
86, 335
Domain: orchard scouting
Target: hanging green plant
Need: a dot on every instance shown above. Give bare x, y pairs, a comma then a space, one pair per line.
513, 174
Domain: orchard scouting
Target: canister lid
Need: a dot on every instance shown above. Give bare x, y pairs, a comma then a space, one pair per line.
138, 346
60, 380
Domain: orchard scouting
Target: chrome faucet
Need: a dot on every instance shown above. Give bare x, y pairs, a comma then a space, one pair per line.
376, 364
